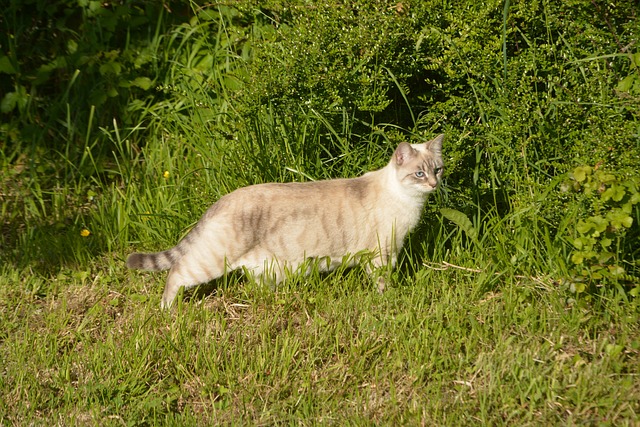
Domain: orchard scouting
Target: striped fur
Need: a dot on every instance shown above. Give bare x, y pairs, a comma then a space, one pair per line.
270, 228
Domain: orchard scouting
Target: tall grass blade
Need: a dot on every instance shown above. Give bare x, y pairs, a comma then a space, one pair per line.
403, 93
505, 14
462, 221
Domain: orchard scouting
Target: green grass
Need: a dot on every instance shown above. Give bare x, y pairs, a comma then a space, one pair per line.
485, 323
447, 346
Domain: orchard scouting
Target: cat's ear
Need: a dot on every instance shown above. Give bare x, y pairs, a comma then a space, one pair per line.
403, 153
435, 145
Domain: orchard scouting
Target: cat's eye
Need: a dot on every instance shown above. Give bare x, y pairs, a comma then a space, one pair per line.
419, 174
437, 170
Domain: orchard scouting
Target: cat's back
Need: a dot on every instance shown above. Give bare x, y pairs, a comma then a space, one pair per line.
260, 206
301, 192
295, 207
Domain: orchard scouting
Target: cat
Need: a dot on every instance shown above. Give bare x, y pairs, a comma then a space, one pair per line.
270, 228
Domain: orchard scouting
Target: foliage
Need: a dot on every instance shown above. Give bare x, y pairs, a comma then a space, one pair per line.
68, 70
522, 99
599, 253
86, 52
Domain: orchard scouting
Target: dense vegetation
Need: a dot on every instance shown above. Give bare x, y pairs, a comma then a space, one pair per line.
516, 299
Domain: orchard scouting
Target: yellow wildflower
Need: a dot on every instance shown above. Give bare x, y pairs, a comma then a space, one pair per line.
166, 174
85, 232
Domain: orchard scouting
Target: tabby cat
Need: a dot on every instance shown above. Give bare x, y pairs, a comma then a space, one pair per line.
268, 229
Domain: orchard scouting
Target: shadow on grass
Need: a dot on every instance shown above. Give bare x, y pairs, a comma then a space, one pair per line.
43, 218
47, 248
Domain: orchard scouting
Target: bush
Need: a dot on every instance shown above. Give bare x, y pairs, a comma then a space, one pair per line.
525, 92
72, 66
605, 243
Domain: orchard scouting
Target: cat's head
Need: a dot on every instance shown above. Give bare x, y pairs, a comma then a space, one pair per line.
419, 167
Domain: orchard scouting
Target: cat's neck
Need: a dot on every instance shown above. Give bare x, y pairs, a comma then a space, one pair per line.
389, 181
389, 201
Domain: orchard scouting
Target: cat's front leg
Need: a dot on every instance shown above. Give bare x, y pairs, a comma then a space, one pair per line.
380, 276
379, 269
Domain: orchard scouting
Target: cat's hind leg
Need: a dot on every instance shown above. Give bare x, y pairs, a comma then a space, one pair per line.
261, 266
188, 274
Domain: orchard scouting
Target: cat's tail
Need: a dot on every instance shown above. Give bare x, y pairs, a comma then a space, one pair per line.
155, 261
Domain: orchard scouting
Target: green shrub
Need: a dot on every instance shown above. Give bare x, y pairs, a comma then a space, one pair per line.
60, 59
609, 203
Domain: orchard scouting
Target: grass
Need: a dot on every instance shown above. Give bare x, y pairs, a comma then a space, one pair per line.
438, 348
482, 325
